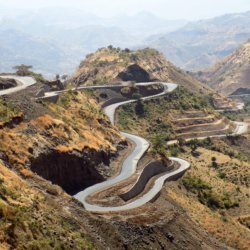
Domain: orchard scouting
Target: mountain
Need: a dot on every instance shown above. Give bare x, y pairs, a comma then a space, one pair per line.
145, 24
51, 150
199, 44
230, 74
64, 39
49, 57
76, 33
111, 64
17, 47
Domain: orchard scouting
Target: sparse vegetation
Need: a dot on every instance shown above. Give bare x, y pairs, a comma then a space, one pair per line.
25, 70
152, 120
7, 111
207, 195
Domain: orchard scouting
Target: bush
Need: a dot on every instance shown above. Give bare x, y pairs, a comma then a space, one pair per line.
136, 96
206, 195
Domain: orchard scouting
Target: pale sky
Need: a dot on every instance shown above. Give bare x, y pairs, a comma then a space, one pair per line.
169, 9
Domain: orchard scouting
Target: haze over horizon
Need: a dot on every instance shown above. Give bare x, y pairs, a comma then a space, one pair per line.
167, 9
55, 37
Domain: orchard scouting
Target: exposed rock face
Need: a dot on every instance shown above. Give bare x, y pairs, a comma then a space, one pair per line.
72, 147
72, 171
7, 83
135, 73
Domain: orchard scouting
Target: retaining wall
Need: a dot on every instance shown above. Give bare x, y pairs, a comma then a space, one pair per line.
152, 169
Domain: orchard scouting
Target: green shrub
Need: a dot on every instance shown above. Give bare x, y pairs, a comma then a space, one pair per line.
206, 195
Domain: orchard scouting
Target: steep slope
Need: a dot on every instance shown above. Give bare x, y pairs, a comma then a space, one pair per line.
230, 74
111, 65
71, 142
214, 192
62, 142
200, 44
31, 218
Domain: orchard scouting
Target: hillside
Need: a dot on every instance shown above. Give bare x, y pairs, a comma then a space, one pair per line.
214, 192
112, 65
48, 149
230, 74
46, 139
200, 44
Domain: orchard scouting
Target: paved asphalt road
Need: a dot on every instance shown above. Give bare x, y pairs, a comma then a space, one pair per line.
130, 163
23, 83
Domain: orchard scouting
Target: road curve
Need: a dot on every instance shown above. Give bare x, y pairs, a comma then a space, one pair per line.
130, 163
23, 83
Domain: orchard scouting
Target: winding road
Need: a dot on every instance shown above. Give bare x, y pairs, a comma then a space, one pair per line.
22, 83
130, 163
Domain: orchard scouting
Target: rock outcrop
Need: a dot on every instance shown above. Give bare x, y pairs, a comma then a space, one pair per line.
7, 83
111, 65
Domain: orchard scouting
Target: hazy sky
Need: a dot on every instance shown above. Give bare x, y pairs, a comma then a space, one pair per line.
169, 9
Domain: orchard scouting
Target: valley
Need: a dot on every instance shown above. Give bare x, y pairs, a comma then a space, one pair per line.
172, 180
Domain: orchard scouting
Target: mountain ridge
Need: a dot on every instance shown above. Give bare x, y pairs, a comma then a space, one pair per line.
211, 39
231, 73
109, 65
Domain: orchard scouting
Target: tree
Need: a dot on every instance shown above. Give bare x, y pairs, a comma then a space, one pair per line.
139, 108
181, 142
57, 77
127, 50
193, 144
136, 96
23, 70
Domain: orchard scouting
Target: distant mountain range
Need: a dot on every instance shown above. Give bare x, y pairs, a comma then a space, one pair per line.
199, 44
55, 40
232, 74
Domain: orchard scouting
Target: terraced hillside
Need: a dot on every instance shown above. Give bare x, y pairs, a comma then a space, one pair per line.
180, 115
71, 143
192, 124
215, 191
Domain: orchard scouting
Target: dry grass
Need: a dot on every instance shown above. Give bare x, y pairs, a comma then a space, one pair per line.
220, 223
77, 126
28, 218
